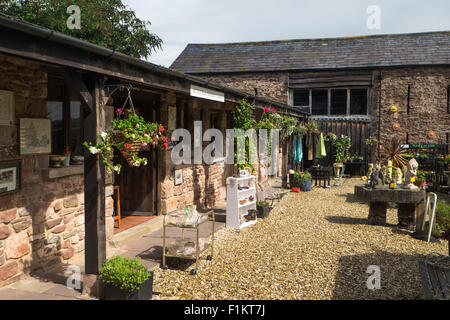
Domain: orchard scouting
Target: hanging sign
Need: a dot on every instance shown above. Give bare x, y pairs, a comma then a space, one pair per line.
206, 93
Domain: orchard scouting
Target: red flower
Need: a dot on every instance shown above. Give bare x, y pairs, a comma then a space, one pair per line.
164, 138
127, 145
273, 109
166, 145
266, 109
161, 129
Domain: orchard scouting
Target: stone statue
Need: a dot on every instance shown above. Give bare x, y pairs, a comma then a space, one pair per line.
377, 178
398, 175
389, 169
411, 171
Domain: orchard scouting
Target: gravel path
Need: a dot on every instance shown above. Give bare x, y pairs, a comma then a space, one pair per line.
314, 245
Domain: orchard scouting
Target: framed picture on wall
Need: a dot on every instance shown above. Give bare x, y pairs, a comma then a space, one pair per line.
178, 176
6, 108
35, 136
10, 176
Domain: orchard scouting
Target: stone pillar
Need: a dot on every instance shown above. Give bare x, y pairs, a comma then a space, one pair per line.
377, 213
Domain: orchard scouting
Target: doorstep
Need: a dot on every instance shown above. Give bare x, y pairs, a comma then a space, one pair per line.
133, 233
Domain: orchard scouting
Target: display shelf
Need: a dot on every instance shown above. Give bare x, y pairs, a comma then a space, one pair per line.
236, 211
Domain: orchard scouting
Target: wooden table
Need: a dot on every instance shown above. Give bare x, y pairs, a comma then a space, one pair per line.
322, 174
410, 205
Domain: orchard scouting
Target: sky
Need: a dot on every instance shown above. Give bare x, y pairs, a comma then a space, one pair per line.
179, 22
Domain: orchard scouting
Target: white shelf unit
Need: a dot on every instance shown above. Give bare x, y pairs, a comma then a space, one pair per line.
235, 210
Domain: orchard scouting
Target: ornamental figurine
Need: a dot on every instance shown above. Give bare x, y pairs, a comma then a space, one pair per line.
411, 171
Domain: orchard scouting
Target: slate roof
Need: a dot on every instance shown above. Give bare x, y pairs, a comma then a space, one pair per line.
430, 48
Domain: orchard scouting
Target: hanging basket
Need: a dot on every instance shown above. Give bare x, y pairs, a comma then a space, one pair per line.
135, 146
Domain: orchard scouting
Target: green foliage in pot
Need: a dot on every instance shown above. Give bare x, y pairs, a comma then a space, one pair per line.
261, 203
124, 273
442, 216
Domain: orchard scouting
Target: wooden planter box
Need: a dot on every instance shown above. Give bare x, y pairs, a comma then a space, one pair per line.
112, 292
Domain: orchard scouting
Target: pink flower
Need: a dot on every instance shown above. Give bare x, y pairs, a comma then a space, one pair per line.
266, 109
119, 111
137, 125
273, 109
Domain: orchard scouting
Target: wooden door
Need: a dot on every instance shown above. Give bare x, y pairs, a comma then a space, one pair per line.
138, 185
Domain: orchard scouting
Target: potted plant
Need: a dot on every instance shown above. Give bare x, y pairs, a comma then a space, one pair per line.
305, 181
263, 209
129, 135
126, 279
420, 179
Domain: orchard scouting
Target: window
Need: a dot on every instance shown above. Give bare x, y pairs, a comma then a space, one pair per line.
67, 125
358, 101
338, 101
301, 97
319, 102
332, 102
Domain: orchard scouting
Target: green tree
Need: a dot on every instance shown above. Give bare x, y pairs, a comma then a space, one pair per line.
108, 23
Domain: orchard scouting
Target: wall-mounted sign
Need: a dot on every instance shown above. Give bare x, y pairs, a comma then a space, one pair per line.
206, 93
178, 176
6, 108
35, 136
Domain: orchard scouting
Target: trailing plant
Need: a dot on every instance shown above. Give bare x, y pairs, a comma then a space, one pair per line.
299, 130
124, 273
243, 119
330, 137
342, 145
287, 126
311, 127
124, 134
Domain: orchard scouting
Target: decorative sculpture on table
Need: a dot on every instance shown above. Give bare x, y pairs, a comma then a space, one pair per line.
411, 171
398, 175
389, 169
377, 179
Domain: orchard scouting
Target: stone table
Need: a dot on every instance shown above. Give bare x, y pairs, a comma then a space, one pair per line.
410, 205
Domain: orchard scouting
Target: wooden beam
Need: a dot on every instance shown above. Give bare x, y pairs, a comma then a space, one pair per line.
94, 188
77, 85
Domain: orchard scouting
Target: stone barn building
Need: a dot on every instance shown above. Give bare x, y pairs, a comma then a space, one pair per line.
347, 84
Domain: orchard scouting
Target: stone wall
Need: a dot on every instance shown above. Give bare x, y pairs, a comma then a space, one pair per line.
42, 225
427, 104
272, 85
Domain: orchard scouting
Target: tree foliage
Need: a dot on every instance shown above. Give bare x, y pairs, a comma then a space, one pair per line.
108, 23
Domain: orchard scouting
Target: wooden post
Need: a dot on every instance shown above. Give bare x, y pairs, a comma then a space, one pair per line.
94, 189
284, 165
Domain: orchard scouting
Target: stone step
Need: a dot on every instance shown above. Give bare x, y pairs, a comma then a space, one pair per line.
136, 232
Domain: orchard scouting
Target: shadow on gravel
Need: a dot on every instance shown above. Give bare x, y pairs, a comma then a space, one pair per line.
399, 277
350, 197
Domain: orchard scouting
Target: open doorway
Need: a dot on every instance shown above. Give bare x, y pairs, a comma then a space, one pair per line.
138, 185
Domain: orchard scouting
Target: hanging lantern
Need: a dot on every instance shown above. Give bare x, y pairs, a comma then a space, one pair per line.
393, 109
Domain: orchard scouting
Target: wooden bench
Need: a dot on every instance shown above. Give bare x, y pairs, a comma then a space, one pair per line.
435, 275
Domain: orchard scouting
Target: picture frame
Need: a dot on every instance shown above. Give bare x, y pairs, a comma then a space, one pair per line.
178, 176
7, 108
10, 176
35, 136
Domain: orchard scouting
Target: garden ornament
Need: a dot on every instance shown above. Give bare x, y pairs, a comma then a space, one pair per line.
398, 176
411, 171
377, 179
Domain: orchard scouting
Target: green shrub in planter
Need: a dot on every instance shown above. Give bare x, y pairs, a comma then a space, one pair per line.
128, 275
442, 216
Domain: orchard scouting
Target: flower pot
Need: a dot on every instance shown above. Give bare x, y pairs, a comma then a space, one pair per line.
306, 185
263, 211
112, 292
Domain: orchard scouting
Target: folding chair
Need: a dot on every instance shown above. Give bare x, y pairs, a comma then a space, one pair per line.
430, 209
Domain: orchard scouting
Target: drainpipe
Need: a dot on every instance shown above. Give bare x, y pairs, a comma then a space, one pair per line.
380, 78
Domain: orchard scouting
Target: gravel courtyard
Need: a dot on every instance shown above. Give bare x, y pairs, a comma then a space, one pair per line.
314, 245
